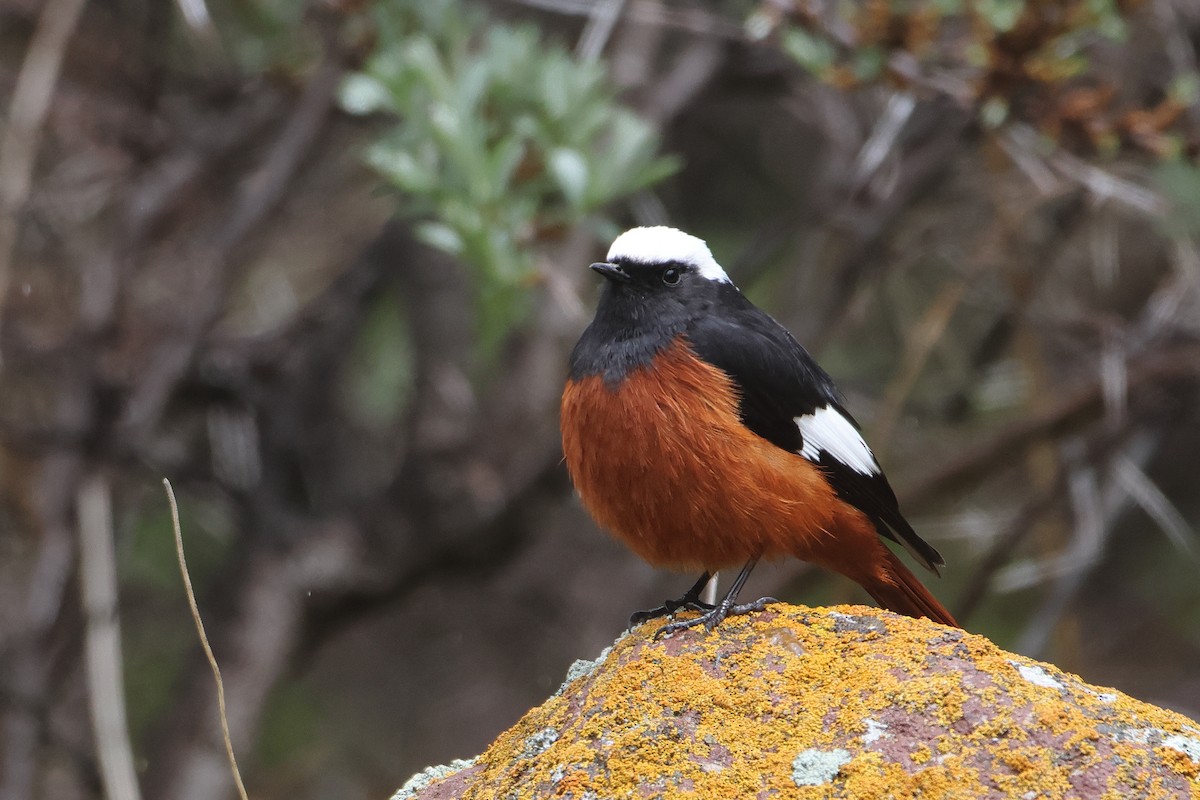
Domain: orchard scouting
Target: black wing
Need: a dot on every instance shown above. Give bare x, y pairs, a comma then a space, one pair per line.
780, 383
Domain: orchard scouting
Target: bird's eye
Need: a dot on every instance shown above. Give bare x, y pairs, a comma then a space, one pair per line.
671, 276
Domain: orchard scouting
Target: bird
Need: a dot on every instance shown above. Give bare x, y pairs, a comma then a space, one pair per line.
699, 432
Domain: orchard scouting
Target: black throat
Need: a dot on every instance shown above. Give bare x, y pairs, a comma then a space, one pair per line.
638, 320
628, 331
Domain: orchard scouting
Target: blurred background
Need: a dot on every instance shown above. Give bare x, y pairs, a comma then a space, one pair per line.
320, 263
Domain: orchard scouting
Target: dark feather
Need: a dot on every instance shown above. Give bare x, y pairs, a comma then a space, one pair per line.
778, 381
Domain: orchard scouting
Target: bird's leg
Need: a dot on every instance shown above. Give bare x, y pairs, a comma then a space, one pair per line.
691, 601
726, 608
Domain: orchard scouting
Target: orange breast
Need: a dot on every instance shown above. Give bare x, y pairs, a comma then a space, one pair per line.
664, 462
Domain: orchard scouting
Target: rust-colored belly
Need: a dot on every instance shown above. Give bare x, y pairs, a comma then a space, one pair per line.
664, 462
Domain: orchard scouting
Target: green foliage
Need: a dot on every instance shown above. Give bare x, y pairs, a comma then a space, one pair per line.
263, 35
815, 53
1180, 181
1001, 15
500, 137
1053, 37
378, 373
1019, 60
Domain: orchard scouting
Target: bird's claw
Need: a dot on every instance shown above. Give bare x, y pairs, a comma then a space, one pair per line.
713, 616
667, 609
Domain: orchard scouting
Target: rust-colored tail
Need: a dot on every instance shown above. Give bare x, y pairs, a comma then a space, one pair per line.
905, 594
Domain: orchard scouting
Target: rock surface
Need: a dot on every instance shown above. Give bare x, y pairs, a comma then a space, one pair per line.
847, 702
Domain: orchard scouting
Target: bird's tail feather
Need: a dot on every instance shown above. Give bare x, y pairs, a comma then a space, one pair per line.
905, 594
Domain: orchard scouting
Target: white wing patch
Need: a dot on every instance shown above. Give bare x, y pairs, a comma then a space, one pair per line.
826, 429
660, 245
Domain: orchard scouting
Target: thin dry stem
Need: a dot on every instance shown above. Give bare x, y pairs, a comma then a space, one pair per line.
918, 349
208, 653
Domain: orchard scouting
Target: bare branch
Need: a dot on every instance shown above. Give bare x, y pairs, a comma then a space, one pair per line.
648, 12
1065, 415
26, 115
26, 676
1021, 142
102, 640
918, 348
1097, 514
601, 21
258, 197
1137, 484
882, 141
195, 13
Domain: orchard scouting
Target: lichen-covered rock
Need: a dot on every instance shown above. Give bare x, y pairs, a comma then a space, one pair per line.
846, 702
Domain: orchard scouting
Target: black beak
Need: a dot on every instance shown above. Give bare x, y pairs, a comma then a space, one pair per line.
612, 271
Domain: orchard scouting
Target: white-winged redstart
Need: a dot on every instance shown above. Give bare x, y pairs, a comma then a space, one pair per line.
704, 436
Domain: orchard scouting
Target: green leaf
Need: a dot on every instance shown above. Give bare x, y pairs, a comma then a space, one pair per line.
812, 52
402, 168
499, 134
1185, 88
570, 171
507, 156
441, 236
378, 373
1180, 181
993, 112
869, 63
363, 94
1002, 15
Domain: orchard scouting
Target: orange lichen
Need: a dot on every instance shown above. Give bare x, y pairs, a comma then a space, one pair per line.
1179, 762
847, 702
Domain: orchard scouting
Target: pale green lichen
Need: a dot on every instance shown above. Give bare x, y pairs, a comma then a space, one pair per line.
816, 767
582, 667
539, 742
429, 776
1188, 746
1036, 675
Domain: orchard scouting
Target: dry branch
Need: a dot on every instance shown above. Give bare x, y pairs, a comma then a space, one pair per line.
26, 114
102, 640
1067, 414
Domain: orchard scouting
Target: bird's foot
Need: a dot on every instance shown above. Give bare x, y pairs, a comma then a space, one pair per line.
690, 600
668, 609
713, 616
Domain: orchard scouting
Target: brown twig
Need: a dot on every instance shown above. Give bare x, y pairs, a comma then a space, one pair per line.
599, 28
1022, 143
208, 653
918, 347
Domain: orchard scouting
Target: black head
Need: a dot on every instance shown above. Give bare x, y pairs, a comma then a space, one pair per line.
658, 282
655, 275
